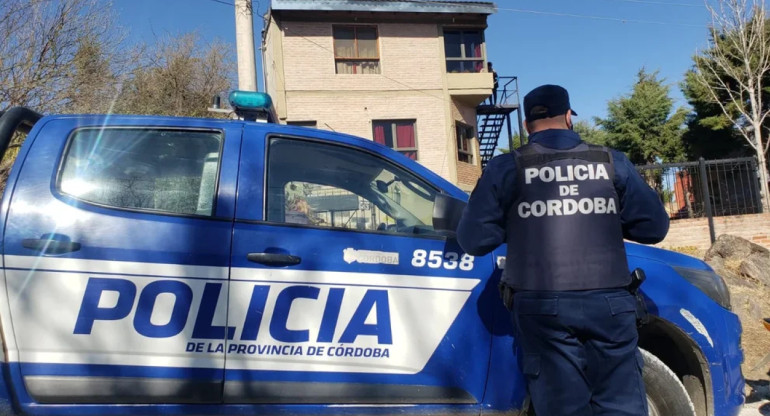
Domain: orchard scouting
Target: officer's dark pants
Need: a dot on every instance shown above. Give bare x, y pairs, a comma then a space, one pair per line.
578, 352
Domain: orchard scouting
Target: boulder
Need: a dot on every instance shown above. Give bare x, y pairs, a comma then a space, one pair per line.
739, 261
730, 246
757, 267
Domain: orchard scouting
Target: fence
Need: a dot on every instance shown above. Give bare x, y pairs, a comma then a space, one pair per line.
706, 188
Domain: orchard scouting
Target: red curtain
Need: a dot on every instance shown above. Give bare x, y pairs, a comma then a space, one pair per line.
379, 134
405, 135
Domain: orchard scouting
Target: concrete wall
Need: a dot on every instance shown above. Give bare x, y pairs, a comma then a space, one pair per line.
272, 57
695, 232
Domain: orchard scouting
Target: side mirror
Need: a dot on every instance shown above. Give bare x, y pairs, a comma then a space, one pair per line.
382, 186
447, 211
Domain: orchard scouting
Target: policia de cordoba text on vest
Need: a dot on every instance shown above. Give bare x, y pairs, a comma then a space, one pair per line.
566, 206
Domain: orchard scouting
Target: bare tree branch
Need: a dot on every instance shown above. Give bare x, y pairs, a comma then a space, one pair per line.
734, 67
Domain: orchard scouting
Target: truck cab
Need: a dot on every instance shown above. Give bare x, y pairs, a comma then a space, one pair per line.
164, 265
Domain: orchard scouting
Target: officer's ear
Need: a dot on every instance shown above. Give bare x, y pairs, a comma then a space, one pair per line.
526, 127
568, 117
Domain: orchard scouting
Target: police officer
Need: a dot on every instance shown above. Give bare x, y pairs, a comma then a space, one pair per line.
564, 207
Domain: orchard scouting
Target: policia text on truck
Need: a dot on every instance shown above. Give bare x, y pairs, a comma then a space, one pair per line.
185, 266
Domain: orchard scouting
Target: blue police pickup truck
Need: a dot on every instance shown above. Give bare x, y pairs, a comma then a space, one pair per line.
179, 266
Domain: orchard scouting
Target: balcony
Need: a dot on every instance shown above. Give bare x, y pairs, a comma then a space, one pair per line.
471, 88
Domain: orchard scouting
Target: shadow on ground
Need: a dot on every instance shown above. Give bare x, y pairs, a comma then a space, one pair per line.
760, 390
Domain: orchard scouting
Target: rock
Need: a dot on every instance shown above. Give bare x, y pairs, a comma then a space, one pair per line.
728, 246
730, 273
757, 267
717, 263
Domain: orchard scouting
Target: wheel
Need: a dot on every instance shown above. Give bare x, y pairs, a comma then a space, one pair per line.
666, 395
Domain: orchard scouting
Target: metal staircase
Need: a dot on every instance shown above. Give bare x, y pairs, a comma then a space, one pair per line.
490, 118
489, 128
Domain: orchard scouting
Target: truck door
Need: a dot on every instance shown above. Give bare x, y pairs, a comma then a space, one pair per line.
342, 293
116, 258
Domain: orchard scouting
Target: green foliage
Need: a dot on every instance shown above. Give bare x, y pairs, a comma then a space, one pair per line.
591, 133
642, 124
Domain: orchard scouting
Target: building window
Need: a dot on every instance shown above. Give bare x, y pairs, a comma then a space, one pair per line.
305, 123
355, 50
464, 134
398, 135
463, 50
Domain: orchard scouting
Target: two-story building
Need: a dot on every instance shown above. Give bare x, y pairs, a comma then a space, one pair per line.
407, 74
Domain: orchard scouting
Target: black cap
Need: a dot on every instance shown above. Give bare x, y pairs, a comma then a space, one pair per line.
546, 101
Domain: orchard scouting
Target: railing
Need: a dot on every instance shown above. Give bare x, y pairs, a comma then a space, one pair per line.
508, 95
706, 188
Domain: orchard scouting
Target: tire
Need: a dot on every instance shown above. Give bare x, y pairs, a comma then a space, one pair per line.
666, 395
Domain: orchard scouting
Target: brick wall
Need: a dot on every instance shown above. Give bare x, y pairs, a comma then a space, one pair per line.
410, 58
467, 175
695, 232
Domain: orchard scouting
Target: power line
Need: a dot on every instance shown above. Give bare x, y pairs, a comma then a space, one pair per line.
660, 3
593, 17
255, 10
606, 18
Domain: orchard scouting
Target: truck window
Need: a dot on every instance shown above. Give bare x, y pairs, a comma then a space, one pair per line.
324, 185
171, 171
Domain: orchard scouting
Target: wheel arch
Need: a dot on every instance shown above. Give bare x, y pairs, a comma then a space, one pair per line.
684, 357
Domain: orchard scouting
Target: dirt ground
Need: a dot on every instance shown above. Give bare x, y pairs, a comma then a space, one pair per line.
752, 304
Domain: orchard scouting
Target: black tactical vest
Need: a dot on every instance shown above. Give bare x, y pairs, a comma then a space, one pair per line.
563, 230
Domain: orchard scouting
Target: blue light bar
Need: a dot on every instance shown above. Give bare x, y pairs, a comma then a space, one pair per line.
250, 100
252, 105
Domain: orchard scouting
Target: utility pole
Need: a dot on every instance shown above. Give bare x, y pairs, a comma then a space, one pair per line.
244, 40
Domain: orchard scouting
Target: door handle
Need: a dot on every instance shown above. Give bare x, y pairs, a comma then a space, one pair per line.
47, 246
274, 259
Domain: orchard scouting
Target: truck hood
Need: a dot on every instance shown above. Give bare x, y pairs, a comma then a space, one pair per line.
668, 257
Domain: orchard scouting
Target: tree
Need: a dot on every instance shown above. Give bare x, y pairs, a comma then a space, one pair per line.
39, 44
733, 70
710, 133
93, 83
642, 125
590, 133
179, 78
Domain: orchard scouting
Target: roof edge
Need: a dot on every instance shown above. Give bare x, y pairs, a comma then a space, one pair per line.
398, 6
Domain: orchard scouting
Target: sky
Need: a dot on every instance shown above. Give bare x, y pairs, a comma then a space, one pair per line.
594, 48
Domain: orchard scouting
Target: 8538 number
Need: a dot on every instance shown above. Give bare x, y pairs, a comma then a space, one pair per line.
436, 259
